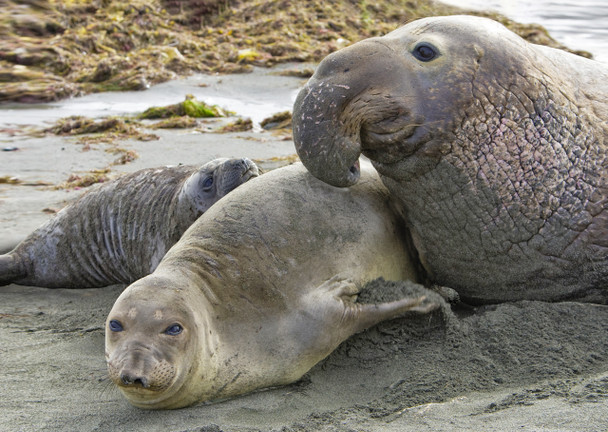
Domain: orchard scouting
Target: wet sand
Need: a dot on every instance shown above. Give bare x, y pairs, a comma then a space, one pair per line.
529, 366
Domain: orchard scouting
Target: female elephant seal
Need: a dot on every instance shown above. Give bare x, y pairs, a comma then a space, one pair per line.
254, 293
494, 148
119, 232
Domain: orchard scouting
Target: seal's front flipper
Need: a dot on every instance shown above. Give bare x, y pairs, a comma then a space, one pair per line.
338, 298
10, 269
364, 315
340, 288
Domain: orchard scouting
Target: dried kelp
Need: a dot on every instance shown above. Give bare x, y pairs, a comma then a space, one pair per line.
53, 49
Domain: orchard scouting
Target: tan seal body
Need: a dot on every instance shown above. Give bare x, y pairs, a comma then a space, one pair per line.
494, 148
119, 232
257, 291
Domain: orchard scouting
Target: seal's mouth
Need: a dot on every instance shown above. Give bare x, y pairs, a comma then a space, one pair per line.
139, 389
250, 171
142, 386
354, 172
388, 146
146, 398
249, 174
150, 396
386, 135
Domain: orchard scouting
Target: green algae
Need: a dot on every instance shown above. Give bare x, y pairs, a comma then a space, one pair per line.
196, 109
190, 107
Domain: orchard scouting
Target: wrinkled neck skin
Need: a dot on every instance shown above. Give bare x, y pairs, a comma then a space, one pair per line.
518, 189
374, 115
495, 152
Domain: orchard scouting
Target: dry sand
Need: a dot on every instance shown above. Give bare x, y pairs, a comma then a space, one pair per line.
529, 366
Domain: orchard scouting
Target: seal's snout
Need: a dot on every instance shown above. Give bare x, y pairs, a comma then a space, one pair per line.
139, 370
130, 379
231, 174
330, 111
248, 168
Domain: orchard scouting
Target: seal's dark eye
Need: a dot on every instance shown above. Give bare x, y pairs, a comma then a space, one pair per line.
207, 183
174, 330
425, 52
115, 326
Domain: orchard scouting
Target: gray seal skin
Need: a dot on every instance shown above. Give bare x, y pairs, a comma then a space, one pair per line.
258, 290
494, 149
119, 232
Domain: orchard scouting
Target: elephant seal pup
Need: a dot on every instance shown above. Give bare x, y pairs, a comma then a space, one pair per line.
119, 232
495, 149
256, 291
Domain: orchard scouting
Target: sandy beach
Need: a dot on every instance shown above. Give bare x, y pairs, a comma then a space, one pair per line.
530, 366
521, 366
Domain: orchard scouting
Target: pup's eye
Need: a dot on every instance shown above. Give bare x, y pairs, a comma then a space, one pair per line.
115, 326
174, 330
207, 183
425, 52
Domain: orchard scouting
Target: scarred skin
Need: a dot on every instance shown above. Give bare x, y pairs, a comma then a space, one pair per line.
495, 150
119, 232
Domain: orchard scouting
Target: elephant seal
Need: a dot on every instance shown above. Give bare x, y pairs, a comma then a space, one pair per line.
495, 150
256, 291
119, 232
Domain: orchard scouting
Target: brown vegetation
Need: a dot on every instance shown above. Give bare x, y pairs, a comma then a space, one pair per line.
52, 49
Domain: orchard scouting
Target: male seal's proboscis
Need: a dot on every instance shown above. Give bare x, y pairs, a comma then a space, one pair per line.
494, 148
258, 290
119, 232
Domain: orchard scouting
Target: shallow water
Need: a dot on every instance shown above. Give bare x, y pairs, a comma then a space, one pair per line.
581, 24
245, 94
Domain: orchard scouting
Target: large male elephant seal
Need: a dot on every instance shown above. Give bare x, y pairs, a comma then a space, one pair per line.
258, 290
494, 148
119, 232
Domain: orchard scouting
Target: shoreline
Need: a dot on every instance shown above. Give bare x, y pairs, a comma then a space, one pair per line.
524, 365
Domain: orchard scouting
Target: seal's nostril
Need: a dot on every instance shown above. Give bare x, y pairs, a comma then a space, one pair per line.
128, 380
140, 381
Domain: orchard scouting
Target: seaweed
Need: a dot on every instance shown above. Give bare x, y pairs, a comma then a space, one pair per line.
189, 107
277, 121
268, 164
105, 130
181, 122
78, 181
54, 49
10, 180
239, 125
125, 157
306, 72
